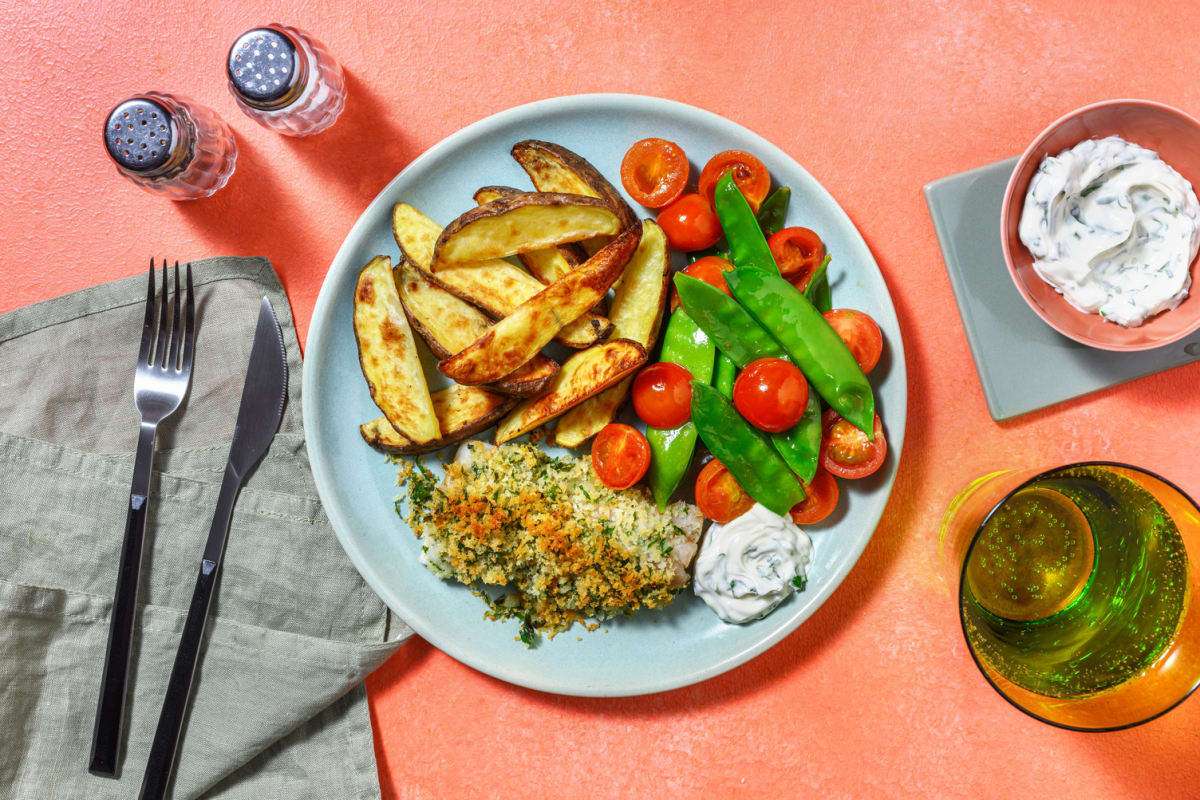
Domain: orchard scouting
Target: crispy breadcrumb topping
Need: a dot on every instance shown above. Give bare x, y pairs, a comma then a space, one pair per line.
568, 548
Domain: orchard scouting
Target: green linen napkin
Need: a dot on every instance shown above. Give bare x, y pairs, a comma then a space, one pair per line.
278, 707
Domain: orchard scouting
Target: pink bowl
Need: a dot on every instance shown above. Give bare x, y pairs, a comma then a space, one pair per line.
1176, 138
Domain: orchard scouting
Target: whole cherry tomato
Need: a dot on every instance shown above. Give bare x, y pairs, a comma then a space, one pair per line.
771, 394
662, 395
708, 269
690, 223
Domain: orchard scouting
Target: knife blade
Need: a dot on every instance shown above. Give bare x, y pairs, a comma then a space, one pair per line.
258, 418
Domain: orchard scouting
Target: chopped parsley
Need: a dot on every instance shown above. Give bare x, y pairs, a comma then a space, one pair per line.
420, 487
560, 464
529, 634
800, 582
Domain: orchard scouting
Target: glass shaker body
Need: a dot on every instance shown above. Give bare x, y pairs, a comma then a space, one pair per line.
170, 145
284, 79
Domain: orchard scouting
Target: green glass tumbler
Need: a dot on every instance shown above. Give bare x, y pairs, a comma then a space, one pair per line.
1079, 590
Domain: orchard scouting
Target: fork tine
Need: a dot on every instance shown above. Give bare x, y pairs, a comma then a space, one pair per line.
176, 325
189, 342
148, 325
160, 347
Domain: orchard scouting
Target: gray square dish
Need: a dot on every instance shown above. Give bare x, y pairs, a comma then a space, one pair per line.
1023, 363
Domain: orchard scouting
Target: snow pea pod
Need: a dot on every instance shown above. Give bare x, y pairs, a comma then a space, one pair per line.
745, 238
744, 450
725, 373
671, 448
800, 445
817, 290
813, 345
773, 211
821, 296
730, 326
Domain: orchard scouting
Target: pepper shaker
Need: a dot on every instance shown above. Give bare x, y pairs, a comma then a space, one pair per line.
170, 145
286, 80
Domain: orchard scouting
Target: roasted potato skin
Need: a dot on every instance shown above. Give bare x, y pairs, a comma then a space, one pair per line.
461, 411
518, 337
526, 221
582, 376
554, 168
387, 354
448, 325
497, 287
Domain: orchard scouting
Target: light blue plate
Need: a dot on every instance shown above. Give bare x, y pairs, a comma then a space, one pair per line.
654, 650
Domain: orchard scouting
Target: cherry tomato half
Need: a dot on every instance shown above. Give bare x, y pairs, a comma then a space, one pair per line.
820, 499
662, 395
771, 394
718, 494
845, 451
748, 173
798, 252
707, 269
654, 172
690, 223
620, 455
860, 333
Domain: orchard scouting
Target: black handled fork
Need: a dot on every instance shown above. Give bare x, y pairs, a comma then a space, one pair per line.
159, 385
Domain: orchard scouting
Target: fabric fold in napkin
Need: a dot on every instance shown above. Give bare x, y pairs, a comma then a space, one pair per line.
278, 706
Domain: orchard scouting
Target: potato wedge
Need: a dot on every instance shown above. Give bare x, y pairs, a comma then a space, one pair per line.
554, 168
387, 354
552, 263
583, 375
549, 264
449, 325
497, 287
637, 310
521, 222
461, 411
518, 337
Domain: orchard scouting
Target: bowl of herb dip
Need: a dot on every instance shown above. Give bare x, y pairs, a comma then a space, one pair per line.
1100, 225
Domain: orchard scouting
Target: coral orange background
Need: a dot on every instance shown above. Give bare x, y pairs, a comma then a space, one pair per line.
875, 696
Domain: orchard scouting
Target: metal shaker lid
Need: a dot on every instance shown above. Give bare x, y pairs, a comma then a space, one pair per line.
139, 134
263, 65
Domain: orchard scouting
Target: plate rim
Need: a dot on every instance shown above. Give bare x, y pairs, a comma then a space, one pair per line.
322, 311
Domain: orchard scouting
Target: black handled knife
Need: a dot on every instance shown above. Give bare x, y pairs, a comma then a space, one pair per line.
257, 420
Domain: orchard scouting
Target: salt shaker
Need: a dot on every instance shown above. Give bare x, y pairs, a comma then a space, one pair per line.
170, 145
286, 80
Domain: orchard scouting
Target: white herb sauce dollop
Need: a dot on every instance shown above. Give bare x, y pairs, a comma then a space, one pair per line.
750, 565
